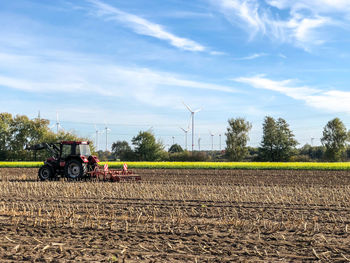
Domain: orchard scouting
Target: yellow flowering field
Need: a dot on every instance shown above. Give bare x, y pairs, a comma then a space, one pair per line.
211, 165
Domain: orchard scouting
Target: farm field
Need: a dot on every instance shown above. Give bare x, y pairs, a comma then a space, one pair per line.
177, 215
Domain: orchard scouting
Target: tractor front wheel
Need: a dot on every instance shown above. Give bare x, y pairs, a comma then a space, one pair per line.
74, 170
45, 173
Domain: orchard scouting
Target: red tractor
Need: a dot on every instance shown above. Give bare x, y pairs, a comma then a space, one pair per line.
73, 160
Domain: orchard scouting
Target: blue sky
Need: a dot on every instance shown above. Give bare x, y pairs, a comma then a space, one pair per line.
131, 64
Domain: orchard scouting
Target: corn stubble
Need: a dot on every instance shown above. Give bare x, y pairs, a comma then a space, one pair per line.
173, 217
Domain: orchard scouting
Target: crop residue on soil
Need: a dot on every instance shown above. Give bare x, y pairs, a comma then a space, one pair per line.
177, 216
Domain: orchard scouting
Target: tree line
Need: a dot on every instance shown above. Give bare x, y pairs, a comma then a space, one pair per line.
278, 143
18, 132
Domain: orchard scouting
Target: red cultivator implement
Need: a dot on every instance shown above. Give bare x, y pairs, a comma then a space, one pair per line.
103, 173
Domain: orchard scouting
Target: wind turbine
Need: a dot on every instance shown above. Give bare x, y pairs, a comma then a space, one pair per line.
106, 131
173, 139
57, 124
97, 132
192, 117
220, 141
212, 140
186, 131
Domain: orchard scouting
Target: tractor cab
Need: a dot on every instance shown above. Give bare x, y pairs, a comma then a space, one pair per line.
70, 149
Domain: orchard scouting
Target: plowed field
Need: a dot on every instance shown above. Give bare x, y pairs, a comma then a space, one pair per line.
177, 216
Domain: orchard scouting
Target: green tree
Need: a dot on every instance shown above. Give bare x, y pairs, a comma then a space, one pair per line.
175, 148
278, 143
122, 150
5, 134
334, 139
237, 138
146, 147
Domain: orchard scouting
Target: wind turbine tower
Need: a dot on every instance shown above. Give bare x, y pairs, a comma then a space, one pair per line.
220, 141
186, 131
212, 140
96, 137
58, 125
199, 142
192, 117
57, 122
106, 131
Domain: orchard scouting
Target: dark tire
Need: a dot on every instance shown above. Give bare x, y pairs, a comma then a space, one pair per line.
74, 170
45, 173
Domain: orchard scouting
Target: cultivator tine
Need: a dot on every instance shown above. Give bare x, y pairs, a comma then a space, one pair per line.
100, 173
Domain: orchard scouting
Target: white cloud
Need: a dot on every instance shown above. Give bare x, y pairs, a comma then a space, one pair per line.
301, 27
144, 27
253, 56
316, 6
332, 101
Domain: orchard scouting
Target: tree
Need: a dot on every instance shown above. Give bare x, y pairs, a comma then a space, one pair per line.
175, 148
5, 134
334, 139
122, 150
237, 138
278, 143
267, 146
146, 147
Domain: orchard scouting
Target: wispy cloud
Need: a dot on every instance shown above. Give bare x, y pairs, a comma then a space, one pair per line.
316, 6
144, 27
282, 55
332, 100
299, 27
253, 56
72, 73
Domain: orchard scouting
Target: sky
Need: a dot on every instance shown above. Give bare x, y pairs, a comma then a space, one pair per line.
131, 65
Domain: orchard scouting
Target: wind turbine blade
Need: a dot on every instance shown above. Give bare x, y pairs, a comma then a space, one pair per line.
182, 129
188, 107
197, 110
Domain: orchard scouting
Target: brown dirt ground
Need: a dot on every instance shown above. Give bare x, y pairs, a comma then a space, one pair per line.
177, 216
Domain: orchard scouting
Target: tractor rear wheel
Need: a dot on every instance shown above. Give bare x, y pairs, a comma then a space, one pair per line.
45, 173
74, 170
